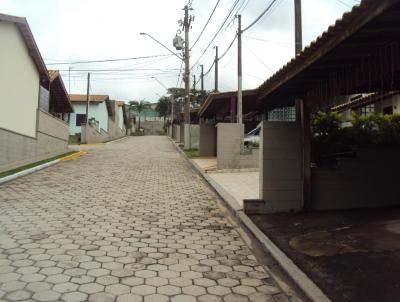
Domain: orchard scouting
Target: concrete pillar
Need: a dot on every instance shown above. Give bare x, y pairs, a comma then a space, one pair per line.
281, 160
177, 134
181, 134
194, 136
187, 136
228, 145
207, 140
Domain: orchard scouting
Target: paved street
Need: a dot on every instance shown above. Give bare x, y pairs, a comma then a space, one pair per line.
129, 221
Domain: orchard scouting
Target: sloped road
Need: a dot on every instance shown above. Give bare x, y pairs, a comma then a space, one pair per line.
129, 221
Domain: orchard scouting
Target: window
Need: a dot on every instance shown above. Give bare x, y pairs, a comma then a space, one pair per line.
80, 119
285, 114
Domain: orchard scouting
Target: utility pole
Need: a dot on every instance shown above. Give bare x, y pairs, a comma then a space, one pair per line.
194, 82
69, 79
239, 95
202, 77
87, 99
186, 25
298, 27
216, 69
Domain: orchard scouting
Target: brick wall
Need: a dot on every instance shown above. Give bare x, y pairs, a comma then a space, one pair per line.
228, 148
51, 140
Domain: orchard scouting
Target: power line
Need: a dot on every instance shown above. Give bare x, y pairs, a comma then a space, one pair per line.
209, 18
109, 60
260, 16
258, 58
218, 31
229, 47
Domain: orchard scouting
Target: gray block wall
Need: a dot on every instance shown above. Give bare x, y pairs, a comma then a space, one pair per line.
369, 180
191, 136
207, 140
51, 140
182, 134
177, 133
281, 166
229, 136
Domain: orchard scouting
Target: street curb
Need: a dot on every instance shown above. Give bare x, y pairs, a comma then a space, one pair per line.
116, 140
309, 288
40, 167
27, 171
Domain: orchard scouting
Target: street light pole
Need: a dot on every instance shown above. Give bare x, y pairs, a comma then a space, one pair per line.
186, 25
158, 42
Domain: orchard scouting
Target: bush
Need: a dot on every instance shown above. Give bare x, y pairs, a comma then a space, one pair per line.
328, 138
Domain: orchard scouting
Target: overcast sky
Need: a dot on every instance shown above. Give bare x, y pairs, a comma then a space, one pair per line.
79, 30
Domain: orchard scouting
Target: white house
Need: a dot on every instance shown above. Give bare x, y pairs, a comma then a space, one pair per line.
29, 130
99, 109
106, 118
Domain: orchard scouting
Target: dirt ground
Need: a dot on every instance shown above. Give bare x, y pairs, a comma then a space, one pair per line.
352, 255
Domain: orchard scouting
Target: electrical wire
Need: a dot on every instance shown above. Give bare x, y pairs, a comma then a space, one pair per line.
218, 31
110, 60
229, 47
205, 26
258, 58
260, 16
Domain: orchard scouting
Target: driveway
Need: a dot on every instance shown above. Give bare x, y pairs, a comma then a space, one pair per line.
129, 221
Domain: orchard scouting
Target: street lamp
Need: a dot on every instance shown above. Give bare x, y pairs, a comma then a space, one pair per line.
154, 39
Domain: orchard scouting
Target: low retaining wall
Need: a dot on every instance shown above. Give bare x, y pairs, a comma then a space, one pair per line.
152, 127
369, 180
192, 133
207, 140
228, 148
51, 140
93, 134
281, 166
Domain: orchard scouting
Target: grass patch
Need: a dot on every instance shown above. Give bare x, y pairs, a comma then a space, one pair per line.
22, 168
191, 152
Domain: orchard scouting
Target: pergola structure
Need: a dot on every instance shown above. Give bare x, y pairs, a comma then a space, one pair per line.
222, 106
360, 53
59, 99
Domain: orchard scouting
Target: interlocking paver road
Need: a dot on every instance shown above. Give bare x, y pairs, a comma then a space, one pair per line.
128, 222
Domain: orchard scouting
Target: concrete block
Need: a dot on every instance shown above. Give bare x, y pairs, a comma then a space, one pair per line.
281, 166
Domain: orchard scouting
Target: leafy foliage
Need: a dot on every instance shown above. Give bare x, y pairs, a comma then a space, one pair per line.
329, 138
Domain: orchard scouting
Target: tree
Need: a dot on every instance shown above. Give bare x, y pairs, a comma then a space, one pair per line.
139, 107
163, 107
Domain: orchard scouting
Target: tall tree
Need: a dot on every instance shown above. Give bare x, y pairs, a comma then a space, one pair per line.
139, 107
163, 107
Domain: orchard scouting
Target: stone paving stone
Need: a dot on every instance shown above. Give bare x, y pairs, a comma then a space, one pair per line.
146, 228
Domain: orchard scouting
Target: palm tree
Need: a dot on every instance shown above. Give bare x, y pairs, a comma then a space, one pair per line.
138, 106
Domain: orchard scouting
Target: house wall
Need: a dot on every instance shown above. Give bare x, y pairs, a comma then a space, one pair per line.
17, 150
114, 129
207, 140
96, 110
369, 180
281, 161
392, 101
228, 148
19, 83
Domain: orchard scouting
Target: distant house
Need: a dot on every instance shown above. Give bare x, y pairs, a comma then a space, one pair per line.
99, 109
106, 118
29, 129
